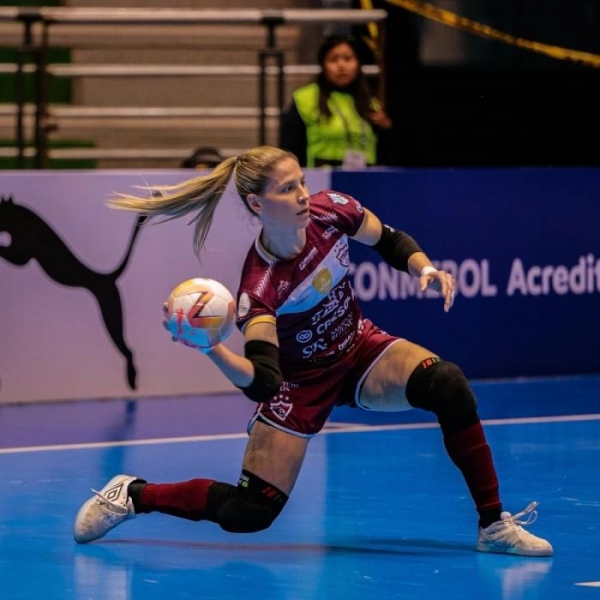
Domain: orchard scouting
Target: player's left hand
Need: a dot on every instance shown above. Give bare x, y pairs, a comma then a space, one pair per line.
381, 119
441, 282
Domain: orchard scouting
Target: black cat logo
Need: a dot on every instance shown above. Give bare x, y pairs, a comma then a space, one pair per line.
31, 238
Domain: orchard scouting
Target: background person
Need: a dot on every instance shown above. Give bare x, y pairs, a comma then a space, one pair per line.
307, 349
336, 120
203, 157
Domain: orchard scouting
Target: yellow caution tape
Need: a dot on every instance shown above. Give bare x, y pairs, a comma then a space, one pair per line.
427, 10
372, 40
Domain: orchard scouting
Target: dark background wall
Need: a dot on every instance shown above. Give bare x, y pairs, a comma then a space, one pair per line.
461, 100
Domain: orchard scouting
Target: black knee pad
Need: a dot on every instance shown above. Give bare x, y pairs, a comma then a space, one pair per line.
251, 506
442, 388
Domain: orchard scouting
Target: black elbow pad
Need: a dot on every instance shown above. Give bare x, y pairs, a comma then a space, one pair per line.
396, 247
267, 374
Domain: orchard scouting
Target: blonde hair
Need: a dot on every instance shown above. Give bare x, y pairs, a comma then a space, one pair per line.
200, 195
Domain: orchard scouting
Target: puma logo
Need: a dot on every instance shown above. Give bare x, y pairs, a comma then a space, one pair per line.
25, 236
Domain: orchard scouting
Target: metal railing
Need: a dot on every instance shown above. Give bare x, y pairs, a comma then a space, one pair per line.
32, 61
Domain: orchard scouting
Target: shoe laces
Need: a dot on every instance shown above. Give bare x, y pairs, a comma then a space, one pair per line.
114, 506
529, 511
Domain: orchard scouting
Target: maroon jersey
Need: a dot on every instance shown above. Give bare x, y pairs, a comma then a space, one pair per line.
310, 296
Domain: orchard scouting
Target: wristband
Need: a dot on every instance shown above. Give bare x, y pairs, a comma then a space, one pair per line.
428, 269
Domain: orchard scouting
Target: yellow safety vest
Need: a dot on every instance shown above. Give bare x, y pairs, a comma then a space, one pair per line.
328, 139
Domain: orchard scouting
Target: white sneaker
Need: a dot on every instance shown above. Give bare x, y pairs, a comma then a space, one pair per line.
508, 537
105, 510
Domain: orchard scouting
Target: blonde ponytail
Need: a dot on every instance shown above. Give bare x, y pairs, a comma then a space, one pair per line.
201, 195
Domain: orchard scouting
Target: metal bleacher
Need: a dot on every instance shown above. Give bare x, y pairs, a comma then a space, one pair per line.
149, 85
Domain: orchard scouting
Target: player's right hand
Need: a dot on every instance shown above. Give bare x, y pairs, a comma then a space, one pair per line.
174, 338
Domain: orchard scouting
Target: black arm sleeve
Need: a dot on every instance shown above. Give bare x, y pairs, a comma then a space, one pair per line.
267, 374
292, 133
396, 247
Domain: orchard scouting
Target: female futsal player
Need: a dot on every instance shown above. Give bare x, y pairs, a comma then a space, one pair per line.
307, 349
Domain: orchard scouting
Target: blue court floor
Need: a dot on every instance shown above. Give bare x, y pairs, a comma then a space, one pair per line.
378, 512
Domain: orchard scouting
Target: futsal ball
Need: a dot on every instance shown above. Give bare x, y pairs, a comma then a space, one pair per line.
200, 312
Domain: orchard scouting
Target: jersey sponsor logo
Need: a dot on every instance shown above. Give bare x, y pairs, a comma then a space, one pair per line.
243, 305
333, 301
326, 322
307, 259
304, 336
341, 310
344, 343
329, 232
341, 328
281, 409
319, 346
286, 386
342, 253
282, 287
323, 281
358, 205
338, 199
